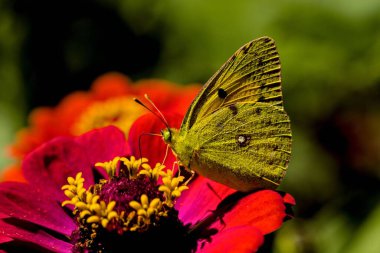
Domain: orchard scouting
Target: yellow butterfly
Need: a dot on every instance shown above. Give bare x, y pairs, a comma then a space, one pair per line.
236, 131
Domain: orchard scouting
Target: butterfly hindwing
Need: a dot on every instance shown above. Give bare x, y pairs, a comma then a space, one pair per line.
252, 74
250, 142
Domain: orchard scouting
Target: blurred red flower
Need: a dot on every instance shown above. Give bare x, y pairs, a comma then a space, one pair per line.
108, 102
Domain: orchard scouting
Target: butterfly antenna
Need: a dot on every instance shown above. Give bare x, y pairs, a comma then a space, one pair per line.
157, 113
150, 134
155, 107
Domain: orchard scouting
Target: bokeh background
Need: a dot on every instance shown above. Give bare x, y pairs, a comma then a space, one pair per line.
329, 51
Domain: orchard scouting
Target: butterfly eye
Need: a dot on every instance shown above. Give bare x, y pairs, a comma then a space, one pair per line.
166, 135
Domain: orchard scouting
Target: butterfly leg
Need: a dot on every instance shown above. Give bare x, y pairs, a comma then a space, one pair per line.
176, 164
182, 170
166, 154
191, 176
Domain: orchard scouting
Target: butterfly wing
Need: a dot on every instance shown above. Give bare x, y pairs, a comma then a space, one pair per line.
252, 74
245, 146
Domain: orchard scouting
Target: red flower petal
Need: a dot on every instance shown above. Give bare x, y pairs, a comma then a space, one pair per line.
237, 239
12, 173
168, 95
201, 199
111, 84
38, 237
263, 209
24, 202
152, 147
64, 117
289, 199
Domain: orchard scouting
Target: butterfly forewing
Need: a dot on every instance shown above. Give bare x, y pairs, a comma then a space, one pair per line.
252, 74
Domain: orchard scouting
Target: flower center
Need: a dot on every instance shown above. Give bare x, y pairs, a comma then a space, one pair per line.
134, 207
120, 112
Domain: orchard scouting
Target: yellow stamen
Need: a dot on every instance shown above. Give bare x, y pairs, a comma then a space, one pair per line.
151, 173
110, 167
90, 209
87, 203
133, 165
171, 188
145, 210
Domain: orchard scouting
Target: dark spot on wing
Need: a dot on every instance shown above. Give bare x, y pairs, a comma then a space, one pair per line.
234, 109
268, 122
258, 111
222, 93
260, 62
261, 99
243, 139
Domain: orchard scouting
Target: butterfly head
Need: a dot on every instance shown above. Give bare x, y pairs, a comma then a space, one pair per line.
166, 135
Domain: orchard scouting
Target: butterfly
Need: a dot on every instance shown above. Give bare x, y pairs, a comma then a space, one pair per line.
236, 131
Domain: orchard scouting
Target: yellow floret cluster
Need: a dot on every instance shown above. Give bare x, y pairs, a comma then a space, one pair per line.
90, 209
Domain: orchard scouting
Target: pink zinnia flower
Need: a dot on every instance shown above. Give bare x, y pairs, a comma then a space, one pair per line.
112, 201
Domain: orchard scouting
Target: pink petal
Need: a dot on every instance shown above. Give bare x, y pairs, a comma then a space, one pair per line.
263, 209
38, 237
52, 163
26, 203
242, 239
101, 145
4, 239
200, 199
48, 166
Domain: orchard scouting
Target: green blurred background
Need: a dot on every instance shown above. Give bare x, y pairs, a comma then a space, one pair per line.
329, 51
